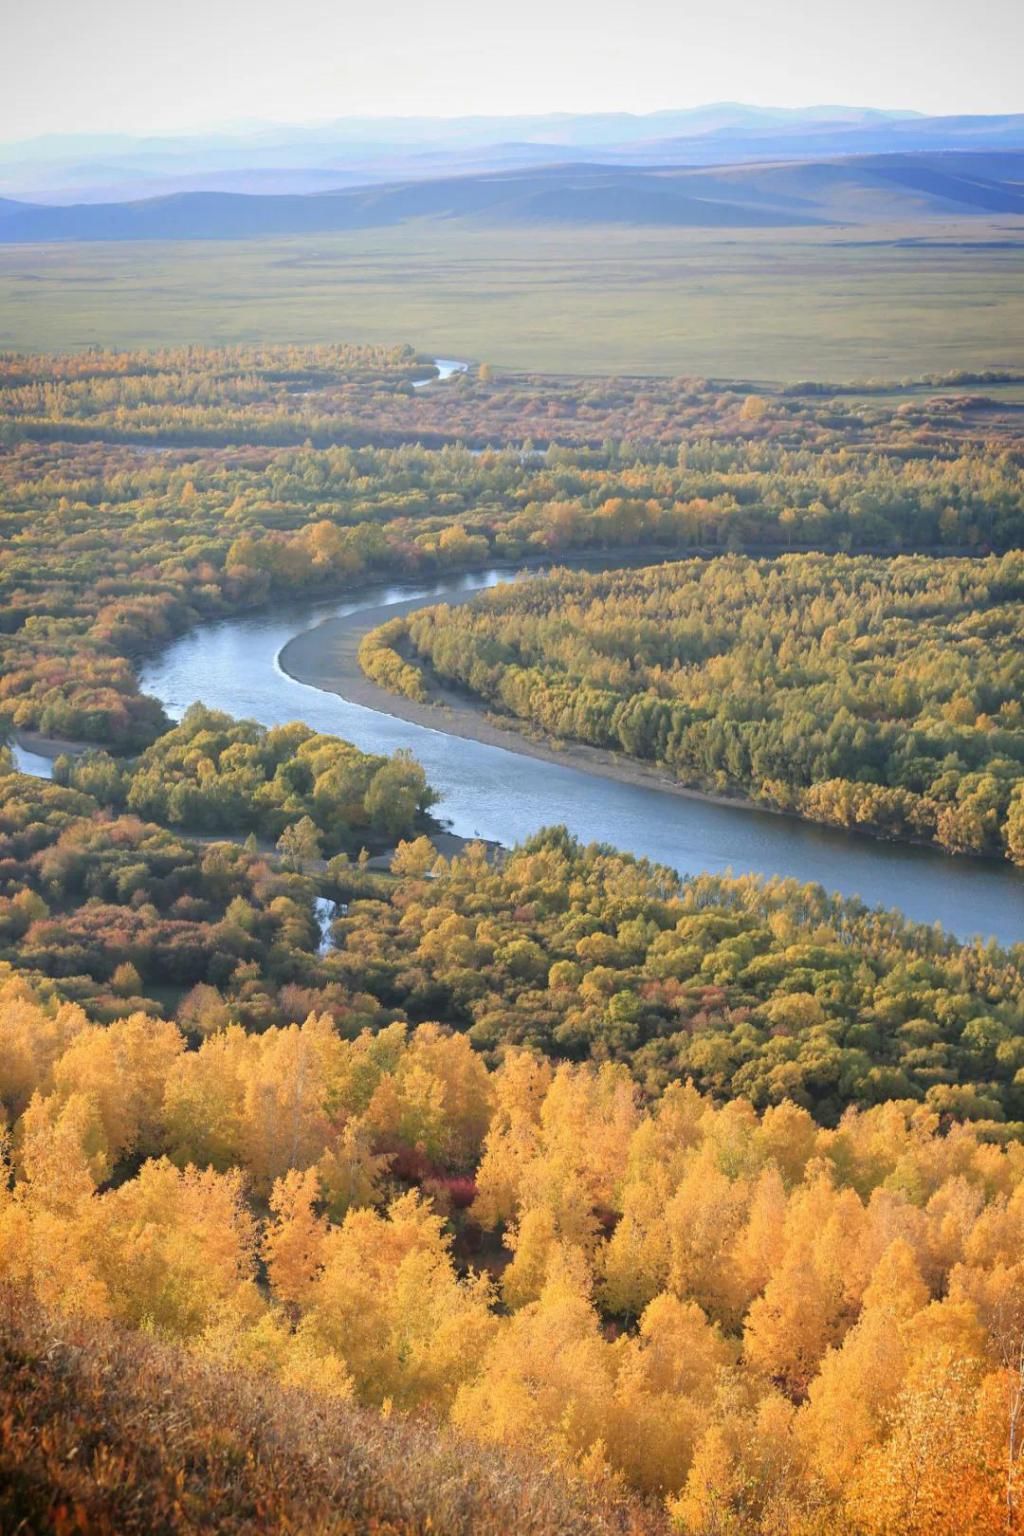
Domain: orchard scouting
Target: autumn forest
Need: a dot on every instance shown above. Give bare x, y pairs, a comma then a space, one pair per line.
355, 1176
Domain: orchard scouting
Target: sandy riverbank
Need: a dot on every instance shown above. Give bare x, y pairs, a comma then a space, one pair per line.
53, 746
326, 657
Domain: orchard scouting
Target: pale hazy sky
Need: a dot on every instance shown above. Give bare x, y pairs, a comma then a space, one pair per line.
153, 65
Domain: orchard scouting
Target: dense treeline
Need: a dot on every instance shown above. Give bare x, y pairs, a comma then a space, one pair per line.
770, 992
881, 694
214, 774
766, 991
249, 393
108, 549
348, 394
98, 904
709, 1191
756, 1319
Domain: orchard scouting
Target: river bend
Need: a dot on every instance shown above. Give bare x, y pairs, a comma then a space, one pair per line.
505, 795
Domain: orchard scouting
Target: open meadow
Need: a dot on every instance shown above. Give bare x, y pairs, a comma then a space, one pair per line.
836, 304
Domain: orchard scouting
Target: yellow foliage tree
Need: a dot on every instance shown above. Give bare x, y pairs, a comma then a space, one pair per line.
665, 1387
855, 1390
123, 1068
547, 1378
294, 1242
172, 1247
389, 1304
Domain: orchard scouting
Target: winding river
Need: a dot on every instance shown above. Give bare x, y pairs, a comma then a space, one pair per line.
505, 795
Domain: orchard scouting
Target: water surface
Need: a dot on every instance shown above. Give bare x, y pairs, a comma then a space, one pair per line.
446, 367
493, 793
31, 762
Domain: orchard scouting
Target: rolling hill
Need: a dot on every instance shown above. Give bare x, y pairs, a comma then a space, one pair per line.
316, 157
851, 190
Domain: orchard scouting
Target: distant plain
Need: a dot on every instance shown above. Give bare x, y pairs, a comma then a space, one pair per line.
819, 304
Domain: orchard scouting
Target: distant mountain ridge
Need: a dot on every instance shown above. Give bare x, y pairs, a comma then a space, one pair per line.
863, 189
298, 158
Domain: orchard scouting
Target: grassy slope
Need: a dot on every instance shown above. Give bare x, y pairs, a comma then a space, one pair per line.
860, 190
835, 304
105, 1431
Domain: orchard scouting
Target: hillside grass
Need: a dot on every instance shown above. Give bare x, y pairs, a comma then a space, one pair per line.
835, 304
111, 1433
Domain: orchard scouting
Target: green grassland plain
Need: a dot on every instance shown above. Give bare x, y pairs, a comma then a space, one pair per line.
836, 304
